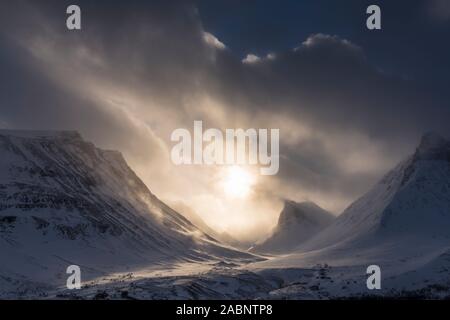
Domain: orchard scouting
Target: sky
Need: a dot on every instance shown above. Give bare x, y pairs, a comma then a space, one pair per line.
350, 102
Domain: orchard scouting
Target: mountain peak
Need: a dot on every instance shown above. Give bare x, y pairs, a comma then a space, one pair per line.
296, 211
64, 199
296, 224
432, 139
433, 147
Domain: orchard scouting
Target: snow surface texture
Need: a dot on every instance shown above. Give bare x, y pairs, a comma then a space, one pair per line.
297, 223
63, 201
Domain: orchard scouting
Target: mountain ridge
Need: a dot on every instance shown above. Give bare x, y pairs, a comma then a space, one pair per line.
406, 213
63, 199
297, 222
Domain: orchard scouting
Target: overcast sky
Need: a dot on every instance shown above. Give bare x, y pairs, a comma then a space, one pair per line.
350, 103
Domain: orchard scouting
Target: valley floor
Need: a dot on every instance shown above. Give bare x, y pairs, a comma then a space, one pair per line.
430, 279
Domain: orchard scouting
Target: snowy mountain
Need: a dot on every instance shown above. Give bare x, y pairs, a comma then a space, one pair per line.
297, 223
64, 201
412, 200
402, 225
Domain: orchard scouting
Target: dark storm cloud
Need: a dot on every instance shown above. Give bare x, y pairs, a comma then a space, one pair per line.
135, 44
155, 44
329, 79
328, 83
347, 119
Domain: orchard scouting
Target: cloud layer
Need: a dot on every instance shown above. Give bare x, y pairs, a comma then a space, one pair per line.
137, 71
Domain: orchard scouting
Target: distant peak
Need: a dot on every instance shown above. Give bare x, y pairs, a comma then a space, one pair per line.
291, 203
432, 139
433, 146
307, 210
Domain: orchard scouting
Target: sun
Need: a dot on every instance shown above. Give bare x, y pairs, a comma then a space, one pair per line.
237, 182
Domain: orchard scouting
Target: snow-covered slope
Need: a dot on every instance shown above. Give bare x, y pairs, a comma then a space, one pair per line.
63, 201
297, 223
412, 200
402, 225
405, 216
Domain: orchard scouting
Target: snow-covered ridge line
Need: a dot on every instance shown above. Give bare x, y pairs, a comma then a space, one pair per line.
64, 201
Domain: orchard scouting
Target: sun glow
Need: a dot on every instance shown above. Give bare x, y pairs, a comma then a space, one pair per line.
237, 182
